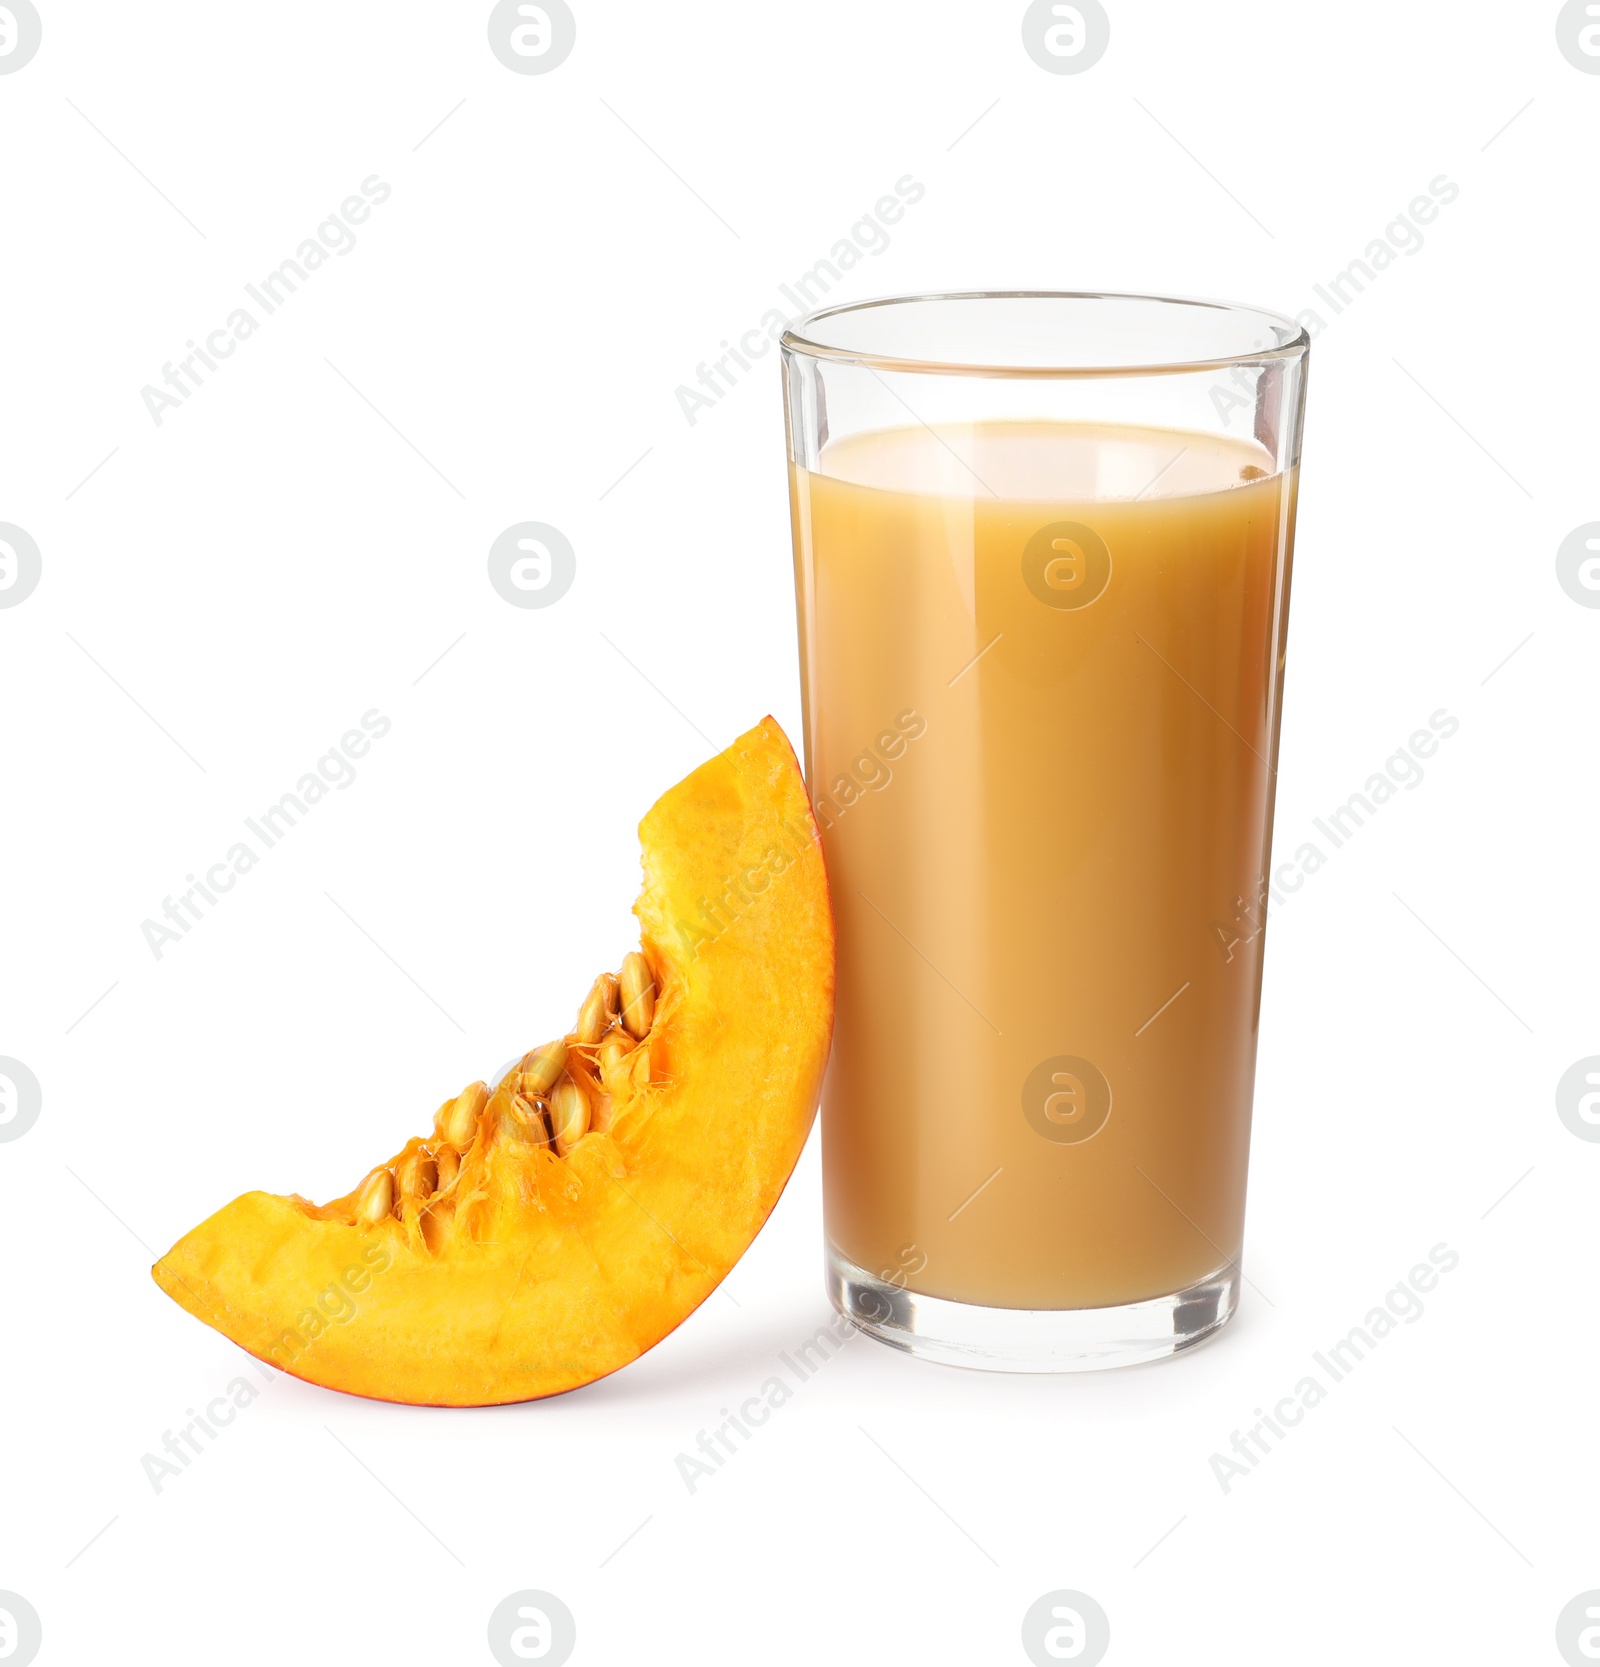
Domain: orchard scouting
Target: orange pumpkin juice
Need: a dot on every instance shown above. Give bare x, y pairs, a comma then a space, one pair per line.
1040, 663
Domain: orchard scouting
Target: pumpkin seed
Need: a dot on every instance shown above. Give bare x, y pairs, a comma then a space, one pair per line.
417, 1174
613, 1051
460, 1123
541, 1068
569, 1115
449, 1165
531, 1120
598, 1010
637, 988
375, 1201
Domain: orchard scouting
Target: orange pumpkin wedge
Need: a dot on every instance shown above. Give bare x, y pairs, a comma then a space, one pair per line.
549, 1230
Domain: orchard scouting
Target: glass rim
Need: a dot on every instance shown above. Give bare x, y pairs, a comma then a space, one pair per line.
800, 337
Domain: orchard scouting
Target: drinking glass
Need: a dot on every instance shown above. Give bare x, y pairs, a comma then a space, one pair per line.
1042, 549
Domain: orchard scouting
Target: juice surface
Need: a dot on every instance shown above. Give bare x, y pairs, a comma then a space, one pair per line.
1041, 666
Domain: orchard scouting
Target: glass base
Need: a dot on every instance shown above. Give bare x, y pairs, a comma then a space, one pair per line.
1031, 1339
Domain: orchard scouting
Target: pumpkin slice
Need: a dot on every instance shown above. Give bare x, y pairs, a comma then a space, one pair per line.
552, 1229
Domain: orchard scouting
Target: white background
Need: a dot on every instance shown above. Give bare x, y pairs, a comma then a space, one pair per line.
230, 590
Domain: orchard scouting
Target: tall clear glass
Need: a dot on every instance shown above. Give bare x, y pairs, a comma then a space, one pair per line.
1042, 549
